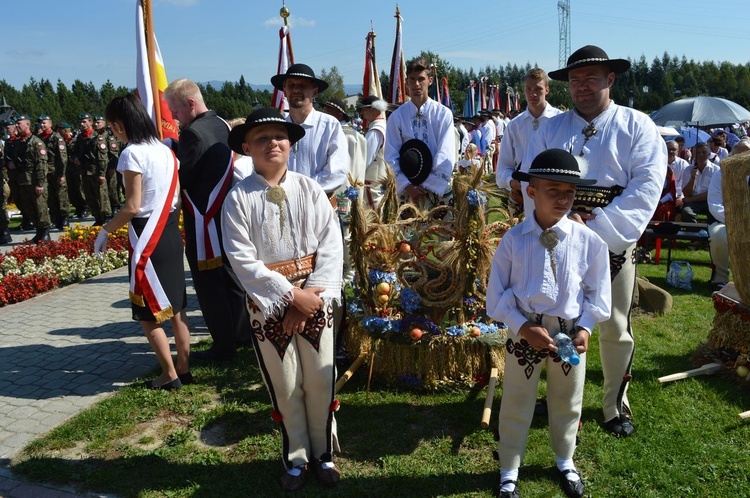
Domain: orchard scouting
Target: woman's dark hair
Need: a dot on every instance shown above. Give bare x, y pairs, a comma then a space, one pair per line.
130, 112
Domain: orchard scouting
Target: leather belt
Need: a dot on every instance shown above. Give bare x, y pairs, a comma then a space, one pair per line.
295, 269
588, 198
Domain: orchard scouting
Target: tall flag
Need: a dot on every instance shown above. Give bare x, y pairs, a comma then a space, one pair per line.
286, 59
151, 79
517, 100
397, 87
445, 98
482, 93
371, 83
469, 109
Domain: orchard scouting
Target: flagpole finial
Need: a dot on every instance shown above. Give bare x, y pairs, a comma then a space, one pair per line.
398, 12
284, 12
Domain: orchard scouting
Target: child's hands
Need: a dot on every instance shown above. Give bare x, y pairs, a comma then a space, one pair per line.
537, 336
306, 301
581, 340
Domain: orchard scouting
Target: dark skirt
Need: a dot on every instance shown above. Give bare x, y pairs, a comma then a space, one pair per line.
167, 259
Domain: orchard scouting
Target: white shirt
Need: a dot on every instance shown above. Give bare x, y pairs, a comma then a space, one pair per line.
681, 170
703, 179
465, 138
582, 290
715, 199
516, 138
435, 128
155, 162
489, 130
626, 151
243, 167
322, 154
255, 233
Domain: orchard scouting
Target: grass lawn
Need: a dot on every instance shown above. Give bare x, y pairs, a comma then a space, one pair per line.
216, 438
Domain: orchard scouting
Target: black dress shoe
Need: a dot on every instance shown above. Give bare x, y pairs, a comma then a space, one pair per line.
509, 494
540, 407
211, 355
574, 489
186, 378
620, 426
169, 386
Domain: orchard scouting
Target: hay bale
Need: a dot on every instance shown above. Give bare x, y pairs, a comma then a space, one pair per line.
734, 173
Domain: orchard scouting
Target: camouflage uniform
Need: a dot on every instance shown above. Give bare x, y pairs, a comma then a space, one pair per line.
5, 237
57, 199
73, 179
30, 159
91, 151
12, 171
113, 153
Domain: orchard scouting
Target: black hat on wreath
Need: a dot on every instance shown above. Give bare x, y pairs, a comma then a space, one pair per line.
298, 71
264, 116
590, 55
556, 165
415, 160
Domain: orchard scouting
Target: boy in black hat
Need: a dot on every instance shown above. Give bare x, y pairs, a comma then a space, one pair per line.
628, 160
568, 294
282, 237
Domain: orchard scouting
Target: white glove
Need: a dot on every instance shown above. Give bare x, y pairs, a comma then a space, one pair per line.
100, 244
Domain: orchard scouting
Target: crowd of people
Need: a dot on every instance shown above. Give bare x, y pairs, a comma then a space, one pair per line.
265, 208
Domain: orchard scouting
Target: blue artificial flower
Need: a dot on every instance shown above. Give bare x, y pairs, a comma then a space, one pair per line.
421, 322
375, 324
354, 308
470, 301
351, 193
455, 331
409, 301
475, 198
377, 276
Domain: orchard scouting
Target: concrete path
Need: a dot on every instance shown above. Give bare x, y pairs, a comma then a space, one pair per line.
64, 351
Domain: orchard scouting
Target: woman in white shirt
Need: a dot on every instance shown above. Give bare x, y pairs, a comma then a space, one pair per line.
157, 275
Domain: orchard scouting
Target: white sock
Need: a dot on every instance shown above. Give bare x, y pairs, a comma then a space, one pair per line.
508, 475
295, 471
564, 464
327, 465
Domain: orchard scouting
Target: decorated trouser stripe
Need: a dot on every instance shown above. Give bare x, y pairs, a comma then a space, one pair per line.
616, 344
299, 372
523, 366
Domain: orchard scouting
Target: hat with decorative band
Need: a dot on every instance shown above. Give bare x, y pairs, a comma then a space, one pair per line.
555, 165
298, 71
264, 116
339, 105
415, 161
590, 55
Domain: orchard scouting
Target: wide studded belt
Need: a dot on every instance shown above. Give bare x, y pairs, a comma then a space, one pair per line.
589, 198
295, 269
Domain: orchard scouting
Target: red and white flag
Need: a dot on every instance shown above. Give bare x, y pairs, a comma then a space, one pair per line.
371, 82
151, 78
286, 59
397, 87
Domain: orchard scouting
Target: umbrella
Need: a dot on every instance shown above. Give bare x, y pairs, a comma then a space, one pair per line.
667, 131
692, 136
701, 111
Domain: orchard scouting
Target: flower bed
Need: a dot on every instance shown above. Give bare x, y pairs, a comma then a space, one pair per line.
31, 269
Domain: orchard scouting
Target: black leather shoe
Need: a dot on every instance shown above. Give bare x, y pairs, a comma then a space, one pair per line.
540, 407
574, 489
42, 234
211, 355
169, 386
620, 426
5, 237
186, 378
509, 494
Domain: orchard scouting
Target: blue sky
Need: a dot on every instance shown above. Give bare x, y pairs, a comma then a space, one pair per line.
208, 40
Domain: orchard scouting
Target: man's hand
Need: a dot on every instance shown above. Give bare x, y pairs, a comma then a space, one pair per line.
581, 218
294, 321
415, 192
102, 180
581, 340
515, 192
61, 180
537, 336
307, 301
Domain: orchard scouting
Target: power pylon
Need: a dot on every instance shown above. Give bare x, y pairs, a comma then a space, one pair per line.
563, 17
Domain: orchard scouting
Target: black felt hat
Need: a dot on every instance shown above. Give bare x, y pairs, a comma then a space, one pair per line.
556, 165
267, 115
415, 160
590, 55
339, 105
298, 71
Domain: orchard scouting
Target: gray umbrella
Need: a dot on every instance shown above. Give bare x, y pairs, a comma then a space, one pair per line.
701, 111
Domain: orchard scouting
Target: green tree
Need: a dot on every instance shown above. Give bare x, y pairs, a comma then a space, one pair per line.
335, 85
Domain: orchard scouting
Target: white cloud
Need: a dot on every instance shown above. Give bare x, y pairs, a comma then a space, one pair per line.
293, 22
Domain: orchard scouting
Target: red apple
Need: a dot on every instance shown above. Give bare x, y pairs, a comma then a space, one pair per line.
404, 247
416, 334
475, 331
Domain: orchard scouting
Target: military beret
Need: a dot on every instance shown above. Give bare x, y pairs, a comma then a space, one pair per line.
63, 124
98, 117
8, 122
84, 115
23, 117
43, 117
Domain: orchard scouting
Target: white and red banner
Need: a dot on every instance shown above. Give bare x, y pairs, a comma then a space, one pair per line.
371, 82
397, 86
151, 78
286, 59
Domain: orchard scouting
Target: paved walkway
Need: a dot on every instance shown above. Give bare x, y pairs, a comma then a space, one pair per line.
62, 352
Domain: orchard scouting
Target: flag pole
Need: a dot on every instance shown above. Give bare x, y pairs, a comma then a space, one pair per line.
284, 13
151, 50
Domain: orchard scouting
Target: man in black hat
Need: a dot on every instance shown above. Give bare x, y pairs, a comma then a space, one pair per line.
322, 154
205, 177
57, 150
627, 158
425, 120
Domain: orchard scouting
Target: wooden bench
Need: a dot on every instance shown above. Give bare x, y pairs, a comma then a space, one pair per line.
688, 231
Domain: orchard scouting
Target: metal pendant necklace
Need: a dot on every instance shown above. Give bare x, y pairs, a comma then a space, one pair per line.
277, 195
588, 132
549, 241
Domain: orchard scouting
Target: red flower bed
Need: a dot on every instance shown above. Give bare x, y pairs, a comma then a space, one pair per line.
15, 288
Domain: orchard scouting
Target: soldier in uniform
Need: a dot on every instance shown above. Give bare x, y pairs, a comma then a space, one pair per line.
30, 160
15, 190
90, 153
5, 237
57, 160
113, 155
72, 171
